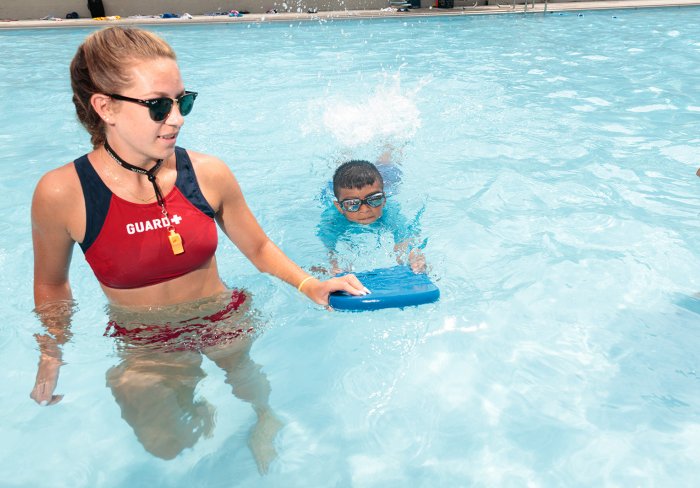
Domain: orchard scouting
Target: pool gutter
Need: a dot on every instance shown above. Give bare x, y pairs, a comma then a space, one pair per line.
504, 8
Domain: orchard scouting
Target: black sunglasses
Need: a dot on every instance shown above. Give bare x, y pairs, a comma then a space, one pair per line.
353, 204
159, 108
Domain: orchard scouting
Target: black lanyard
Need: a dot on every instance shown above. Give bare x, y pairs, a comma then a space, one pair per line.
175, 239
150, 174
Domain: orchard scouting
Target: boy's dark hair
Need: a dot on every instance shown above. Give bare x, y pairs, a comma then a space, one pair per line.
355, 174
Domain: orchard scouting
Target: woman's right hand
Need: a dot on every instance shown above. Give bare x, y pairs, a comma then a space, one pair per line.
55, 317
47, 373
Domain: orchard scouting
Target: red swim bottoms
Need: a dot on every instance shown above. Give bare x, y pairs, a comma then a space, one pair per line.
192, 334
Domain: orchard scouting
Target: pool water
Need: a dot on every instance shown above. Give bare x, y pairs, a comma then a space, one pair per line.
553, 158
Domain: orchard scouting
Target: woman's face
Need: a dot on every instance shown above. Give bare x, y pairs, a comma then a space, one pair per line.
132, 132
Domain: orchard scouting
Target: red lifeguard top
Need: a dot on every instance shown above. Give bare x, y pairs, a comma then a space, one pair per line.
126, 244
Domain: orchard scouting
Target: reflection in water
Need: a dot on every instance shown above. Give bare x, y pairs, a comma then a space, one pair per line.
161, 356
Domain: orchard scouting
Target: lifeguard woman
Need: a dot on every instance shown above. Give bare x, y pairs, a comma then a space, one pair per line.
145, 213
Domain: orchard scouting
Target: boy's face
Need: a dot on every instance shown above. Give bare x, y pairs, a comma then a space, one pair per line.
366, 214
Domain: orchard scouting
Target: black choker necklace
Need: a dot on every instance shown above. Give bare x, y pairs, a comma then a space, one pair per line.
150, 174
174, 238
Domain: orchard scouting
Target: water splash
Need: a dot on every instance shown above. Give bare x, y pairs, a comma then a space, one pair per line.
387, 113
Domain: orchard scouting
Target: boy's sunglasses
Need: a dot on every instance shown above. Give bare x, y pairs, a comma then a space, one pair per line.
353, 204
160, 108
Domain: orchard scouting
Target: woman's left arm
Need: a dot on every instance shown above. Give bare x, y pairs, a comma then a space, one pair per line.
239, 224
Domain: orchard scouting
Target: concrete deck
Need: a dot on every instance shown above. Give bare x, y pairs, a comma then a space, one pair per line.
556, 6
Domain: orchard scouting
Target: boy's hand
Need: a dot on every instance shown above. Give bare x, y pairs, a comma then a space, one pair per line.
416, 259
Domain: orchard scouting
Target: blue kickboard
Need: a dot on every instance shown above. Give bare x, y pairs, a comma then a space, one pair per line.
395, 287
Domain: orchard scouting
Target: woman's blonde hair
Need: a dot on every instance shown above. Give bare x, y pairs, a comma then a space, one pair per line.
101, 66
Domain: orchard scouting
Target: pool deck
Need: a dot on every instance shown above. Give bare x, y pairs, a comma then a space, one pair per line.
506, 8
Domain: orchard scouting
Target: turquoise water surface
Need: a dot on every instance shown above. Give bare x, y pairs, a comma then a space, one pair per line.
554, 159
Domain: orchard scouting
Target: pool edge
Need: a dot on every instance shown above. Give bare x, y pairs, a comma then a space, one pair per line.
353, 14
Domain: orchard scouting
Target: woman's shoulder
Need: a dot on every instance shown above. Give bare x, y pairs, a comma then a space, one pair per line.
59, 182
206, 162
215, 178
58, 196
209, 168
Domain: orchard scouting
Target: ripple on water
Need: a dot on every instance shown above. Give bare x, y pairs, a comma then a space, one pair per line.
658, 107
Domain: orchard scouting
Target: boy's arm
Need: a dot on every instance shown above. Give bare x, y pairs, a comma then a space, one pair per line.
328, 232
407, 241
416, 259
333, 259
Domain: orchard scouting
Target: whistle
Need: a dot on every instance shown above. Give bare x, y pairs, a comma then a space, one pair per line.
176, 242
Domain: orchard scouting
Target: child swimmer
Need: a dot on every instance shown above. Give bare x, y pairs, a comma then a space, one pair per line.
361, 206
